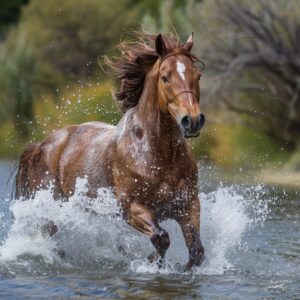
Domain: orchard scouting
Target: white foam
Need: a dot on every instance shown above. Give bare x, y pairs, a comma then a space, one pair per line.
93, 235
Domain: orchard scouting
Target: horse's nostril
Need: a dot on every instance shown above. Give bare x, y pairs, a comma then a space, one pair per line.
201, 120
186, 122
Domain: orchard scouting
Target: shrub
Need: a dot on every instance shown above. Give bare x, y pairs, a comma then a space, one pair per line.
70, 35
18, 82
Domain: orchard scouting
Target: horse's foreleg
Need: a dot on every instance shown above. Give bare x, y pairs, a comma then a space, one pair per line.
143, 220
190, 226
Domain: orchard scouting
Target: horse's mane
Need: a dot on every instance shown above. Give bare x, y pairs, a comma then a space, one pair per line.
137, 58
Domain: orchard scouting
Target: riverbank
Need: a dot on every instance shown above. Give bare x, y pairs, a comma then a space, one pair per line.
284, 179
278, 178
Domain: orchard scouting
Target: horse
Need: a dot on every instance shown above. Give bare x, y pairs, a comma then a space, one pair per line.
145, 159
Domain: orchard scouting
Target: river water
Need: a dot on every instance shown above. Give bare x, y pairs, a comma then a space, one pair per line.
251, 235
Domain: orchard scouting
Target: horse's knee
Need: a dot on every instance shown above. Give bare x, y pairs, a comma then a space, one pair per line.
161, 241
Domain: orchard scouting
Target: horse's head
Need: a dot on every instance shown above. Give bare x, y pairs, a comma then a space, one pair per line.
178, 86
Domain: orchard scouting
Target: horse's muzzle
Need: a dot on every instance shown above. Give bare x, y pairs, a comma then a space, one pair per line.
190, 127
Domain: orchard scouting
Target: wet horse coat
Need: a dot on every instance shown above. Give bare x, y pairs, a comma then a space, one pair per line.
144, 159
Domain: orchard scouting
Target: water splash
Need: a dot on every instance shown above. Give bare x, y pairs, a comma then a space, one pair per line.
94, 237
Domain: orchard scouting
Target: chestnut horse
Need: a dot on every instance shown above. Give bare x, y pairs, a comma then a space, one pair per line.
144, 159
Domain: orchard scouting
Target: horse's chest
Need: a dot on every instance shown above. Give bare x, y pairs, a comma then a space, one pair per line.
163, 186
170, 189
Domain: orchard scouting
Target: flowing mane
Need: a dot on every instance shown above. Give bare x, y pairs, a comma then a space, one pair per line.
136, 60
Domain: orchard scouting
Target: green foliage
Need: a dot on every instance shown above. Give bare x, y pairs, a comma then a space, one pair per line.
153, 7
9, 12
293, 163
18, 85
6, 107
82, 103
71, 35
170, 16
251, 52
55, 43
231, 146
74, 105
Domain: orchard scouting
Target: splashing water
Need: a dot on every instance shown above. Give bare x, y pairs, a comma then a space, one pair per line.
94, 237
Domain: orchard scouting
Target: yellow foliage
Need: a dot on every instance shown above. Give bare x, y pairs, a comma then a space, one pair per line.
74, 105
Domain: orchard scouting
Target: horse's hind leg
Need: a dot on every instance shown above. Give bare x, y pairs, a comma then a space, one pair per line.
143, 220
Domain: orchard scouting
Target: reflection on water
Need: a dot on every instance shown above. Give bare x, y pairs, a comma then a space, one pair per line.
250, 233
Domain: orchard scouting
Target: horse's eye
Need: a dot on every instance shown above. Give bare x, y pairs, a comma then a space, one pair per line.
164, 79
199, 76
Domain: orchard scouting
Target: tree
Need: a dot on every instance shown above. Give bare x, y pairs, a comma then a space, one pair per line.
252, 51
169, 16
70, 35
19, 85
10, 12
56, 42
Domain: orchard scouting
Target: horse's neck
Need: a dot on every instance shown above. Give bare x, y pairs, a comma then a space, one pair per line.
160, 130
170, 139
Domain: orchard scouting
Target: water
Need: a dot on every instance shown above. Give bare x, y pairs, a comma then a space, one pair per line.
251, 235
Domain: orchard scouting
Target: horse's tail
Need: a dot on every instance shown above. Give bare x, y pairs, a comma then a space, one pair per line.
22, 178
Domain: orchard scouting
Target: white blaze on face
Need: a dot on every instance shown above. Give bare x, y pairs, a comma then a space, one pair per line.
180, 69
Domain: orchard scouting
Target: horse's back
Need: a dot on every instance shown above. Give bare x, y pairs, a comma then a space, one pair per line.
87, 154
63, 156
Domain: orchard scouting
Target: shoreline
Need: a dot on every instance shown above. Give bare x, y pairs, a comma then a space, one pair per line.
283, 179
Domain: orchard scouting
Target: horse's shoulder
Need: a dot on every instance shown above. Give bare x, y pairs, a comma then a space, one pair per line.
59, 136
78, 132
97, 125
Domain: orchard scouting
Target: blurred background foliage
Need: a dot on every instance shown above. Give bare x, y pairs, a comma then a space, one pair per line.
51, 76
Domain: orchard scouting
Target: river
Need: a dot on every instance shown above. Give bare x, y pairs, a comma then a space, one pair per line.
251, 235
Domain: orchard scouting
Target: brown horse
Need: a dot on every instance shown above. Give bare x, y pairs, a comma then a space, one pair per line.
144, 159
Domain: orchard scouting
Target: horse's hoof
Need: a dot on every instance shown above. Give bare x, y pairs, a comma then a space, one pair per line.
195, 262
154, 256
161, 263
60, 253
189, 266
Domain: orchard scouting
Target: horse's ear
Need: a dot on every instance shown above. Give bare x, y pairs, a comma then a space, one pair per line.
160, 46
189, 43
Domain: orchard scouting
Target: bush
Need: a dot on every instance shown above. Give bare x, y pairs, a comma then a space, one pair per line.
252, 52
74, 105
70, 35
56, 42
18, 83
169, 16
234, 146
10, 12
